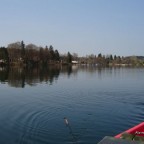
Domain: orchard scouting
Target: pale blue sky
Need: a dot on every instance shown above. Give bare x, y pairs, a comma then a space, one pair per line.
81, 26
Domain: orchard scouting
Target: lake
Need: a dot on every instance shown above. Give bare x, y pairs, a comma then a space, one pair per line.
97, 102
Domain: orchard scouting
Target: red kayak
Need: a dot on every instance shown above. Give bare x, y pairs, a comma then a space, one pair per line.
137, 130
134, 135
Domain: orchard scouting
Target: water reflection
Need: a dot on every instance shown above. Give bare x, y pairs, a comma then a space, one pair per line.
20, 77
95, 100
4, 74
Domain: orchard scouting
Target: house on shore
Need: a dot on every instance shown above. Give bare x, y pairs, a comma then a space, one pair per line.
74, 62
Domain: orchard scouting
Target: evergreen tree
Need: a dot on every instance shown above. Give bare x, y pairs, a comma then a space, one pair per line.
69, 57
51, 51
22, 50
99, 55
46, 54
57, 56
111, 57
115, 57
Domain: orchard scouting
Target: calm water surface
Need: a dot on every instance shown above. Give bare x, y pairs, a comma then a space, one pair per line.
96, 101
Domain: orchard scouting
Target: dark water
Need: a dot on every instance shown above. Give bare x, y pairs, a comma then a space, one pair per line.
96, 101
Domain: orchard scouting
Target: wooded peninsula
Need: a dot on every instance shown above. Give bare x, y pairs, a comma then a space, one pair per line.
19, 54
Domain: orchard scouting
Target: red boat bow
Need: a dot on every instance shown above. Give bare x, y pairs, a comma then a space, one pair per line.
136, 130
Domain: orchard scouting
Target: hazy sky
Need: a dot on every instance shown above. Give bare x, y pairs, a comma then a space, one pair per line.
80, 26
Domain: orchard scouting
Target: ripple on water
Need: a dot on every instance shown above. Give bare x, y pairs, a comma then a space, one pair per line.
30, 123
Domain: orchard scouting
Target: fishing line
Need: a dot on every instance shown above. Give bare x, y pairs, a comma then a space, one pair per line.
70, 130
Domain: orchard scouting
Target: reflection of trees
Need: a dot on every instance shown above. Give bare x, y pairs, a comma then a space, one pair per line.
20, 77
67, 70
15, 77
49, 74
3, 74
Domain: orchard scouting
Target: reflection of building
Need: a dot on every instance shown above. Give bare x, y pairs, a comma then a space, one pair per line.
75, 67
2, 68
2, 61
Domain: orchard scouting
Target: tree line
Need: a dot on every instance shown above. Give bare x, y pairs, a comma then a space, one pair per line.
113, 60
20, 54
29, 55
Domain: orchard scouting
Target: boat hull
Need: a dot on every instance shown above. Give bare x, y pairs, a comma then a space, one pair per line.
136, 130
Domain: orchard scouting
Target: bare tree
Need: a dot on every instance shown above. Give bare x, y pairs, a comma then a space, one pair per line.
14, 51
